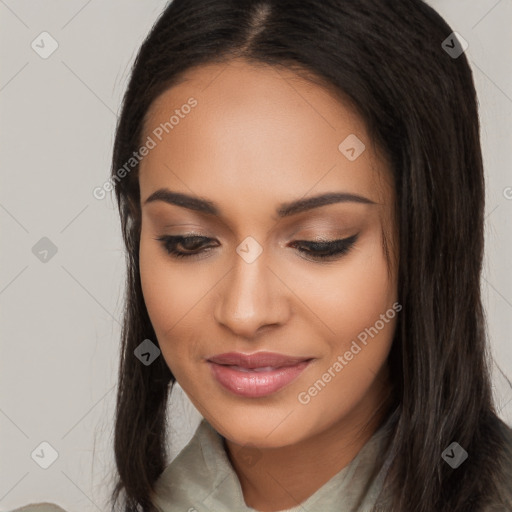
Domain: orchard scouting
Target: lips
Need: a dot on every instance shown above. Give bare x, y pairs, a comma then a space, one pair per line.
259, 361
256, 375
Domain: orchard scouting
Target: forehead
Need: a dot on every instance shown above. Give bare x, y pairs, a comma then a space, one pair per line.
256, 132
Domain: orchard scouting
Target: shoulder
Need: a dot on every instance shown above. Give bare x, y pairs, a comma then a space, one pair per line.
194, 472
39, 507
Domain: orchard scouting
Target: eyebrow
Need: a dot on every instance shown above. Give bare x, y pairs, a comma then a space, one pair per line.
284, 210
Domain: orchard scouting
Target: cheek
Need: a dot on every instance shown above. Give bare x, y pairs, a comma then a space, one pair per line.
173, 299
363, 293
349, 296
354, 302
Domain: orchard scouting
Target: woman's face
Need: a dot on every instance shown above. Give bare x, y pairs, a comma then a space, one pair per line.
251, 141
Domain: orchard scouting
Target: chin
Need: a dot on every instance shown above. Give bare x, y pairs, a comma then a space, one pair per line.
262, 429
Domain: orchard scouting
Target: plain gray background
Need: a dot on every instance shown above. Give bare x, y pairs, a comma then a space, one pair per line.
60, 319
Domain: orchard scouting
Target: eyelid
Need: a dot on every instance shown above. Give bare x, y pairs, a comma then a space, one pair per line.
338, 247
327, 240
315, 250
319, 239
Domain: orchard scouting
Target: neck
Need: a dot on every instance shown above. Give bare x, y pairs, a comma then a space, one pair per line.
286, 476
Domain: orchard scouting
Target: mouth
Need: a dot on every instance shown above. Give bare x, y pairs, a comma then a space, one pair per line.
252, 370
257, 360
256, 375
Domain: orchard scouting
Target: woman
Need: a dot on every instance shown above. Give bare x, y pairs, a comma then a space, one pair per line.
301, 195
252, 105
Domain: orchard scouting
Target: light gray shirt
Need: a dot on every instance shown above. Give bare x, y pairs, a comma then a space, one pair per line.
202, 479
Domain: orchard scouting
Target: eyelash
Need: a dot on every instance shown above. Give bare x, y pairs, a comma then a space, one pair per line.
334, 248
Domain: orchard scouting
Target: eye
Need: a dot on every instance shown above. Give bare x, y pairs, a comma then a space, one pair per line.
191, 244
194, 245
326, 250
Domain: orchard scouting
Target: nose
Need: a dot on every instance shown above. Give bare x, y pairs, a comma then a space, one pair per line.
251, 299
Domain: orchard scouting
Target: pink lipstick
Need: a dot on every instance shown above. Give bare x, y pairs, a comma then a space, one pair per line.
258, 374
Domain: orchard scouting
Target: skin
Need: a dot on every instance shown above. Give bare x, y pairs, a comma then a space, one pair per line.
258, 137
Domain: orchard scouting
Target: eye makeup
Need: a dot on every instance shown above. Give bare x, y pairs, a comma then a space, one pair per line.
192, 246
